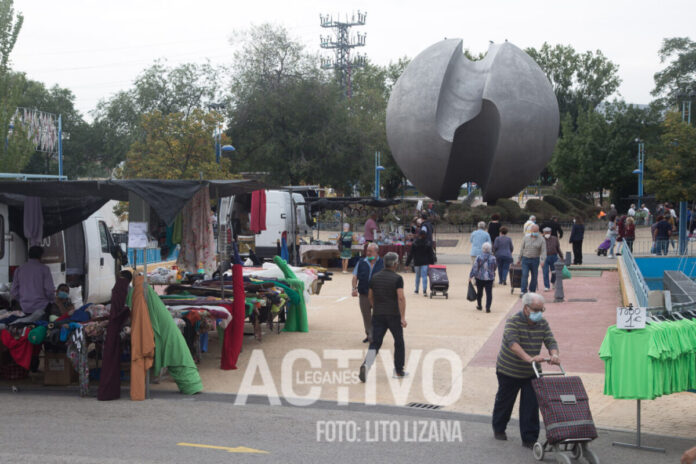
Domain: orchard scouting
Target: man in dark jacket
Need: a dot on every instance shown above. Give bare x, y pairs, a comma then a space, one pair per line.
555, 227
422, 256
368, 266
577, 235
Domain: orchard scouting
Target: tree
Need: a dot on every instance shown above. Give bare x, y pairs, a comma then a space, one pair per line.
679, 74
671, 169
10, 25
579, 80
180, 89
176, 146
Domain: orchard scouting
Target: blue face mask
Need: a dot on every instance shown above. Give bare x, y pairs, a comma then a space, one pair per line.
536, 316
535, 234
63, 295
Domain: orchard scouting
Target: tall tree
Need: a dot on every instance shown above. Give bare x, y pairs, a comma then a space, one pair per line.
680, 72
671, 169
10, 25
180, 89
176, 146
579, 80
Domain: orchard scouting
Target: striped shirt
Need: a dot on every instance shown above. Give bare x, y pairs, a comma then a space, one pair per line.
529, 337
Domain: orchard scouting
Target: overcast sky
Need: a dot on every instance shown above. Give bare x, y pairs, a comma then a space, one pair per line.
97, 47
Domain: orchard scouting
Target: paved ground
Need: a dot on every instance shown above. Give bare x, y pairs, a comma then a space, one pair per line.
47, 428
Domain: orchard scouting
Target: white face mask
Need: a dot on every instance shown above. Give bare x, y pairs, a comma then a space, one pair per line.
547, 235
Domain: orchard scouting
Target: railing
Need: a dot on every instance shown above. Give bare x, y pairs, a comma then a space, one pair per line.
650, 248
637, 281
135, 257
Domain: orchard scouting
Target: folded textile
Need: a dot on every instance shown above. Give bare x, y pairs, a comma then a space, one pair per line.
35, 316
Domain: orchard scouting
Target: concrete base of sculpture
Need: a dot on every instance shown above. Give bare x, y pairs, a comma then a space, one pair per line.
451, 120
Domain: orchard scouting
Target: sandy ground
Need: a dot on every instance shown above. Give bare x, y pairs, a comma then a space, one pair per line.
438, 330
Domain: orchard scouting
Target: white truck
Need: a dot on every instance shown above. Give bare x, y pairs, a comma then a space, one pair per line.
285, 212
80, 255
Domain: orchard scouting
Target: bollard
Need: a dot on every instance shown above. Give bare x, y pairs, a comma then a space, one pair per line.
568, 258
558, 294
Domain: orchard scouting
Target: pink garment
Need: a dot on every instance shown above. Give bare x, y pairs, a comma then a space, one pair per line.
197, 240
370, 227
258, 211
33, 220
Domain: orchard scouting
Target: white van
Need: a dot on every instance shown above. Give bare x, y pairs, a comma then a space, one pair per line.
285, 212
80, 255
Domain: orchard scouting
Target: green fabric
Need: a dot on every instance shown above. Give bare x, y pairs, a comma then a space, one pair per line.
346, 252
566, 273
651, 362
297, 312
37, 334
171, 350
177, 230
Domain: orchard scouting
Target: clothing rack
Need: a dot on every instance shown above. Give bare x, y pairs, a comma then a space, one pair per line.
637, 444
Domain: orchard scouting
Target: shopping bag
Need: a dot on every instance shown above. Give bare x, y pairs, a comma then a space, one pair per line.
471, 293
566, 272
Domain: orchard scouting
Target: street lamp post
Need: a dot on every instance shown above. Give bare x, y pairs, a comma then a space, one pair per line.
378, 169
641, 168
685, 100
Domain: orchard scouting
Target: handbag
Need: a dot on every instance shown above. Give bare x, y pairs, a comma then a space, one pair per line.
471, 294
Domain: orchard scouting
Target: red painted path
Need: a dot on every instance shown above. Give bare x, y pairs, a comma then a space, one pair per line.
579, 327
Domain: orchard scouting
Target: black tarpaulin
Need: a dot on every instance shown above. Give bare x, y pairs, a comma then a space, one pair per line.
66, 203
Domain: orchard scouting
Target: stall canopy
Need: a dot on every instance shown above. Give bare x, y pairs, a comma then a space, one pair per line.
66, 203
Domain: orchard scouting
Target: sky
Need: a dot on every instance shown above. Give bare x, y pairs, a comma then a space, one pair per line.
98, 47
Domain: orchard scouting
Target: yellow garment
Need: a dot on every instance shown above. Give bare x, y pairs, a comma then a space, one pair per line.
142, 341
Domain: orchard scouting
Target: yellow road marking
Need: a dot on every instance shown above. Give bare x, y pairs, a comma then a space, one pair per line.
237, 449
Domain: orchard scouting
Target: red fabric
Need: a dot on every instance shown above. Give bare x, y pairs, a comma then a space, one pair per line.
232, 343
258, 211
20, 350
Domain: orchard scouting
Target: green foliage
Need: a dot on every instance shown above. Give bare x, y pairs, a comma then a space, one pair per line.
541, 209
579, 80
679, 74
10, 25
513, 212
578, 204
670, 169
176, 146
181, 89
561, 204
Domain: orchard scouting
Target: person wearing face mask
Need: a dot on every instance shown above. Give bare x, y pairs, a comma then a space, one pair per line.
368, 266
577, 234
62, 301
553, 254
532, 252
523, 336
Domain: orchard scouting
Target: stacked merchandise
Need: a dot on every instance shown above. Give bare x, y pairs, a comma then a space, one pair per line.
644, 364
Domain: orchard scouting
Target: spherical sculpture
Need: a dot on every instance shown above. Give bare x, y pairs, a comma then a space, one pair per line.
451, 120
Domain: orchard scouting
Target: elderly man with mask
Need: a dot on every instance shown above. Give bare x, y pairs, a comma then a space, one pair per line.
532, 252
523, 336
367, 267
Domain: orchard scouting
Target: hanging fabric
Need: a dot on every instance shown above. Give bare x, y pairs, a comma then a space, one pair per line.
33, 220
110, 376
142, 340
258, 211
198, 240
177, 229
234, 333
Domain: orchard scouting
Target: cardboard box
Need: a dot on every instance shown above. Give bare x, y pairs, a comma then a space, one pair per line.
58, 369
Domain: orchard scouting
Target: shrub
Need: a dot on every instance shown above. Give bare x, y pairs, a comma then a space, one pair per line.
512, 208
579, 204
561, 204
458, 213
541, 209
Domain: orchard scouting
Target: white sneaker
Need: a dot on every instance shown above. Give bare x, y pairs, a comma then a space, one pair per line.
547, 289
397, 376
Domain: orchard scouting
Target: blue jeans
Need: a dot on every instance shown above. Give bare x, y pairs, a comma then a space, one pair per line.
548, 265
662, 246
504, 263
421, 274
529, 265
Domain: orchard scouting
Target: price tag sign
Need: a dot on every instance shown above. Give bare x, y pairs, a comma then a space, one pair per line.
137, 235
630, 318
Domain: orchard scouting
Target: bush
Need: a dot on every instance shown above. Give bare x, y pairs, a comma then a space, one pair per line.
579, 204
541, 209
458, 213
561, 204
512, 209
484, 213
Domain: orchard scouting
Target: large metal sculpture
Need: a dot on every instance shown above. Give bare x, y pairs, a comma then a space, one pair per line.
451, 120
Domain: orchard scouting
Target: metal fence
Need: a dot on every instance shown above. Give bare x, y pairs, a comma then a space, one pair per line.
640, 287
650, 248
